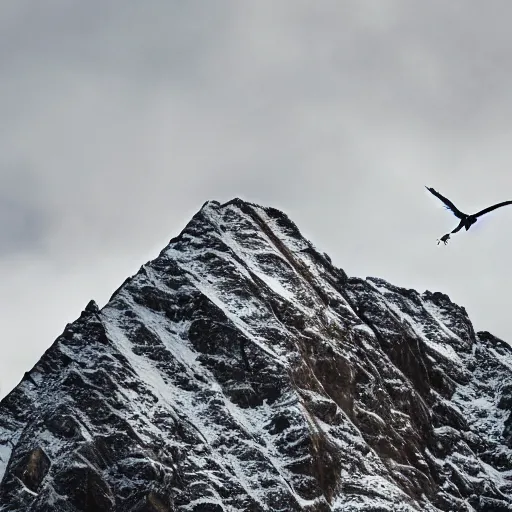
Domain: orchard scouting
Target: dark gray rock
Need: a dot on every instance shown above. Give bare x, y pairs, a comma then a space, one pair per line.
241, 370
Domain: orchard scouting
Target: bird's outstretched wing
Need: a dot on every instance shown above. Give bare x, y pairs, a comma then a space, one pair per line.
491, 208
448, 203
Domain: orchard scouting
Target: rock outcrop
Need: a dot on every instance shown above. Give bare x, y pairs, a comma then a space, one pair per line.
241, 370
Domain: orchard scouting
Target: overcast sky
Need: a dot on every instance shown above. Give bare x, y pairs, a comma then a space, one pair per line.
120, 119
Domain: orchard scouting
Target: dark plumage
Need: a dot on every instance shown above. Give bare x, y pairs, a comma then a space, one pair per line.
466, 221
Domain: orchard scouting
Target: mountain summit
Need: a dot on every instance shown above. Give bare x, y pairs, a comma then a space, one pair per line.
241, 370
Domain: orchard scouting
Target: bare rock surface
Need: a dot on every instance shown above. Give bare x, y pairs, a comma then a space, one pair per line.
241, 370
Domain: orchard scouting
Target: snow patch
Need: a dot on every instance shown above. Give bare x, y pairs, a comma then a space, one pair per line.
5, 455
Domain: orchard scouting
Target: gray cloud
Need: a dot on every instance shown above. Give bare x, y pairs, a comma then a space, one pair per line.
130, 116
24, 221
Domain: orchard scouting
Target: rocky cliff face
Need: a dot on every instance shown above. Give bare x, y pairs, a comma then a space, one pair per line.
241, 370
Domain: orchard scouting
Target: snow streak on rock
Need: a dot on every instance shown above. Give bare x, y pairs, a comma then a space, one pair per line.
240, 370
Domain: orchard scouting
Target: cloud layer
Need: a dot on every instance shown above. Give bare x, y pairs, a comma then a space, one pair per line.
120, 120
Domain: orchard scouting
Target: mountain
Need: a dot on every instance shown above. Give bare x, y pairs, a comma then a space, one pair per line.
241, 370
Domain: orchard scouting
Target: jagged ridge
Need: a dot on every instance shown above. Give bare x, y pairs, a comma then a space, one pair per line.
241, 370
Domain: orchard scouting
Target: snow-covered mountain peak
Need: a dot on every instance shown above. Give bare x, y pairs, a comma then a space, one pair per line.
241, 370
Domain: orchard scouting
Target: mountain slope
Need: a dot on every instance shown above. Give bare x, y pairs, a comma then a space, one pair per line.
240, 370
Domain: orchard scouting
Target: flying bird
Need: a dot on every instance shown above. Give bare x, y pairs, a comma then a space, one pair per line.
466, 221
